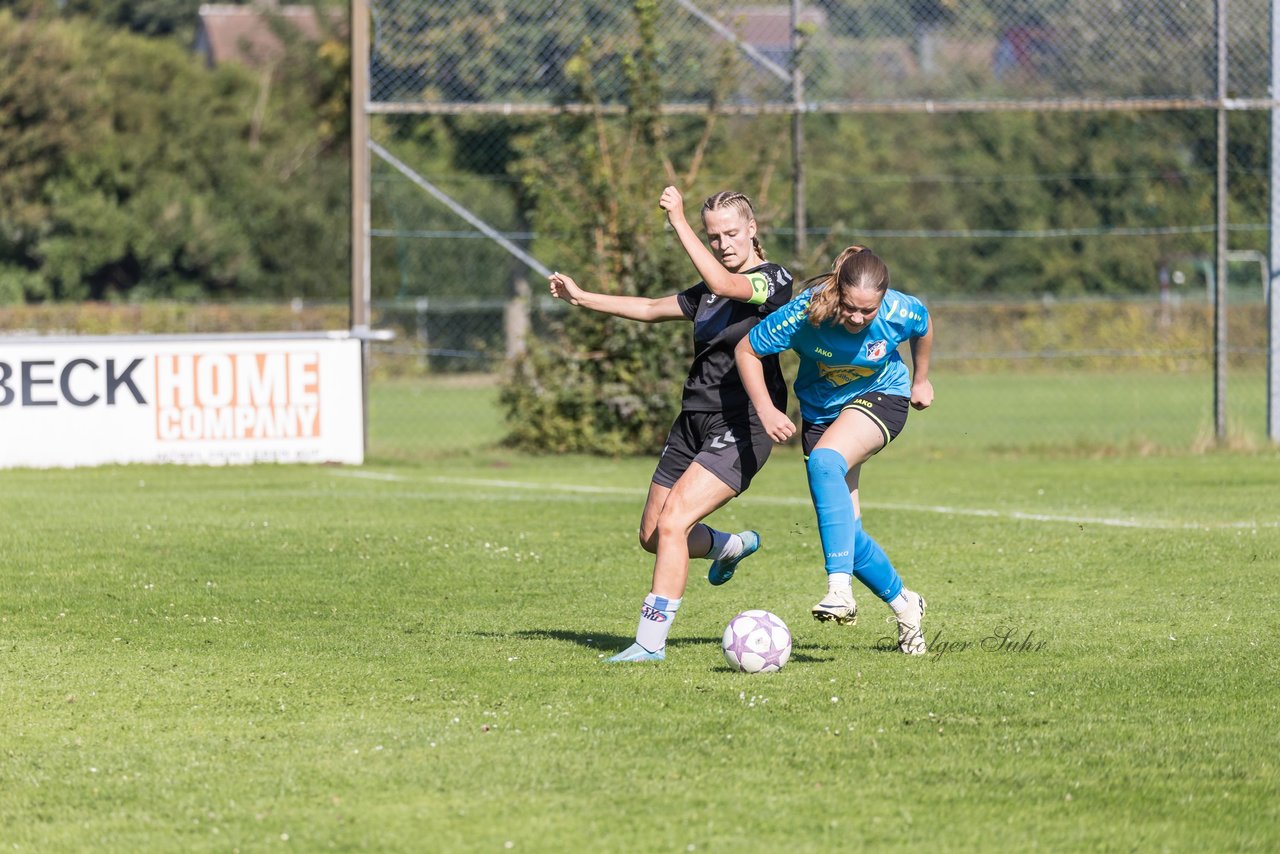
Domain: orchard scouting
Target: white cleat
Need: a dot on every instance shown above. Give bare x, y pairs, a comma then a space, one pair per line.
837, 607
910, 625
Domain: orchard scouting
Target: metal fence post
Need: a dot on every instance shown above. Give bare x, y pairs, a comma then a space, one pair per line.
1273, 302
361, 277
1220, 239
797, 139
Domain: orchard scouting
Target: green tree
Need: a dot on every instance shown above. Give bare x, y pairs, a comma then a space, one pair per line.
127, 169
1074, 178
175, 18
515, 50
603, 385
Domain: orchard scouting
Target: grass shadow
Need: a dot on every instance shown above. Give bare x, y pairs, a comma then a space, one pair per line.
604, 641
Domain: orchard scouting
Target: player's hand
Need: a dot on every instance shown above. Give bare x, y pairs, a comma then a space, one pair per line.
777, 425
921, 394
673, 203
565, 288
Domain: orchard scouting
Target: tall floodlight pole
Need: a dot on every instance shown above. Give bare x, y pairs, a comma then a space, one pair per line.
1220, 246
1273, 300
361, 290
360, 287
797, 137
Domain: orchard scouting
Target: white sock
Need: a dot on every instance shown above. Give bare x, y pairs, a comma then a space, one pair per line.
724, 545
656, 616
840, 582
903, 602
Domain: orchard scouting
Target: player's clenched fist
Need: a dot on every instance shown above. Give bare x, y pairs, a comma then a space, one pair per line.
565, 288
672, 202
777, 425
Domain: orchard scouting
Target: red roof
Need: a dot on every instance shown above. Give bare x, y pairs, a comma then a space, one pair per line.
247, 34
769, 26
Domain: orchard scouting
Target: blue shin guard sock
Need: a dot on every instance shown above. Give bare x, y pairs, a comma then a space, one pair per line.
836, 523
872, 567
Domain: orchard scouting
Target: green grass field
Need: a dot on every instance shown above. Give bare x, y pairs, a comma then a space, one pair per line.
407, 656
1047, 412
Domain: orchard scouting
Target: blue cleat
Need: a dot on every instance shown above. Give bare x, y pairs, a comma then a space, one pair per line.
722, 570
636, 652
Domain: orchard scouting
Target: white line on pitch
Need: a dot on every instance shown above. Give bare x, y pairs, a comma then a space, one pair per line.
785, 501
367, 475
1080, 520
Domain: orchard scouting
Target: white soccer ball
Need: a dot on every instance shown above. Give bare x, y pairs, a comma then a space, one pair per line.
756, 641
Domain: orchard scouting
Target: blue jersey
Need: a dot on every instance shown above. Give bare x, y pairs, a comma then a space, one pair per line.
837, 365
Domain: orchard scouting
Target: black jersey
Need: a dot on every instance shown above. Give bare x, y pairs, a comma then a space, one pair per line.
718, 324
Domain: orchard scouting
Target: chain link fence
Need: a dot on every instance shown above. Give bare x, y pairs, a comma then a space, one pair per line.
1042, 172
449, 55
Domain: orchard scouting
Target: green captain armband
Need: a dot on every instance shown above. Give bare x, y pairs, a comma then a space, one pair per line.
759, 288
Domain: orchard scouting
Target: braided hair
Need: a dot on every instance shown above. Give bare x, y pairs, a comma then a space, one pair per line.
739, 203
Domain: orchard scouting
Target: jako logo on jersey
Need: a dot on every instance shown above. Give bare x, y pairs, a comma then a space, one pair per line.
818, 351
648, 612
877, 349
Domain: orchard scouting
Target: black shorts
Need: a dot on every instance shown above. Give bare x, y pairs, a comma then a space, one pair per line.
888, 411
732, 447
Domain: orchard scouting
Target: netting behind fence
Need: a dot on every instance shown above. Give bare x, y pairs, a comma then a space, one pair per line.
1043, 173
521, 52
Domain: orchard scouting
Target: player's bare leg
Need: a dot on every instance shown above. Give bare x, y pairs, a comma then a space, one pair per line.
696, 494
699, 539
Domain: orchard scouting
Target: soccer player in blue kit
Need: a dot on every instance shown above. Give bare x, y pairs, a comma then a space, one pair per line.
854, 392
717, 443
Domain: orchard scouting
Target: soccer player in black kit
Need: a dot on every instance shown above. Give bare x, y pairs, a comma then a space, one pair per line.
717, 443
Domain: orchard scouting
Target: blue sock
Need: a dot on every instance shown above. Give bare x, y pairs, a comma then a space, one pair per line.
847, 548
872, 567
826, 469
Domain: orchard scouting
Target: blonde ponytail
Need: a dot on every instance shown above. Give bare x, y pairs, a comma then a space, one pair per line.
856, 268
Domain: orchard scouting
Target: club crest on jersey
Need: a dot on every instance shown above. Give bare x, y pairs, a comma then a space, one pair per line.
877, 349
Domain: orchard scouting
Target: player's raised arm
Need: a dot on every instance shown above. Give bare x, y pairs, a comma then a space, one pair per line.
632, 308
731, 231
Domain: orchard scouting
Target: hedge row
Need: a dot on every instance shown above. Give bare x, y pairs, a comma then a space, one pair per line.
1093, 335
973, 337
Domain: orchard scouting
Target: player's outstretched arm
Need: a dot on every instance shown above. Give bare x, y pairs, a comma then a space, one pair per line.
751, 369
720, 281
632, 308
921, 387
